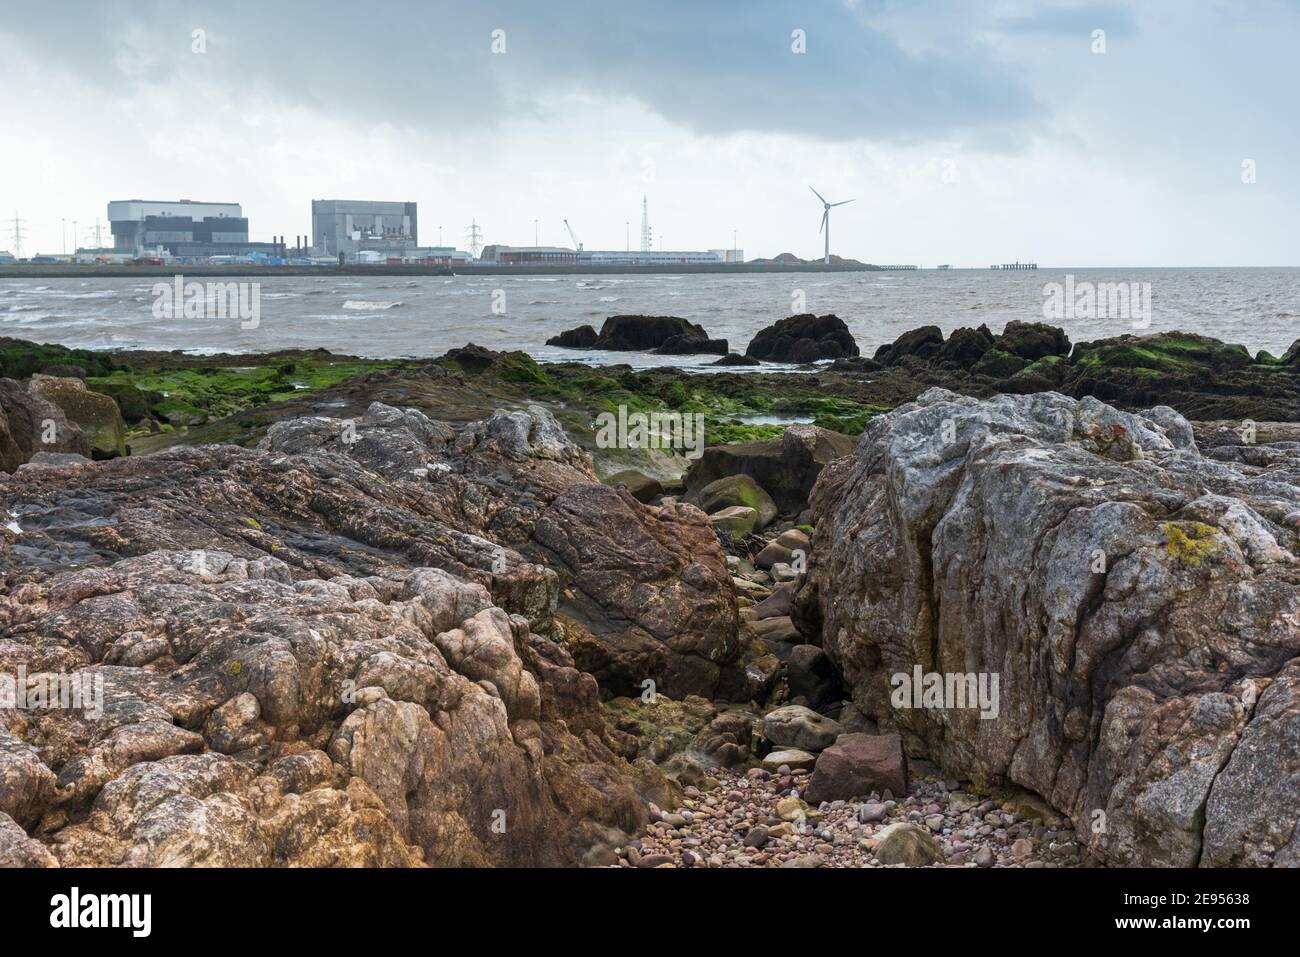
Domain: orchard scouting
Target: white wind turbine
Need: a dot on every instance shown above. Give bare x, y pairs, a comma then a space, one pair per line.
826, 220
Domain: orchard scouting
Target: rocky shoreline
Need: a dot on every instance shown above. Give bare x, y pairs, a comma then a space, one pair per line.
756, 819
419, 613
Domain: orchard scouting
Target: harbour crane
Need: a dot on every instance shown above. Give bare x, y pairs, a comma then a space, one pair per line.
574, 236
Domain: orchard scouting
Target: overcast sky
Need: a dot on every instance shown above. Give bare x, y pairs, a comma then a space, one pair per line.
967, 132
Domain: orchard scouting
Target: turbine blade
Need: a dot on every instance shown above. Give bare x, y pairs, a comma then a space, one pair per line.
843, 202
825, 214
818, 195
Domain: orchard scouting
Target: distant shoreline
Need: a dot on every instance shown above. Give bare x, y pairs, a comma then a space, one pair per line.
26, 271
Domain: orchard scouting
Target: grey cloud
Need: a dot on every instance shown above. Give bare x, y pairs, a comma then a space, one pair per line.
1073, 20
710, 67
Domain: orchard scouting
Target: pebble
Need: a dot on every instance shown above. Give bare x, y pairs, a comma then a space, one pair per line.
755, 819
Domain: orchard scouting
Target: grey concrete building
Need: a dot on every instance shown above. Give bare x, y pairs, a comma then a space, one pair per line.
354, 226
140, 224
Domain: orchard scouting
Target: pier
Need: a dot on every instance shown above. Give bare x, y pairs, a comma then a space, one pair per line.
1015, 266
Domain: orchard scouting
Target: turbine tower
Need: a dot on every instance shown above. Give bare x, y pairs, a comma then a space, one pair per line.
825, 227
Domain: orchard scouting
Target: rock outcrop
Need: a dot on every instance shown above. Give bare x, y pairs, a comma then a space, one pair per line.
98, 416
667, 335
1202, 377
785, 468
803, 338
1138, 600
342, 647
30, 424
650, 583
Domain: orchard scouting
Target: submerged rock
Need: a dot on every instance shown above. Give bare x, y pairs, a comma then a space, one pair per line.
583, 337
736, 359
667, 335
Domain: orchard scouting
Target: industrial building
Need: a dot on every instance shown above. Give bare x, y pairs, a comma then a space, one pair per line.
182, 229
498, 255
352, 227
420, 256
653, 257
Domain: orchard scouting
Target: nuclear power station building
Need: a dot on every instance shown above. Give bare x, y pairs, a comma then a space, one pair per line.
182, 228
352, 227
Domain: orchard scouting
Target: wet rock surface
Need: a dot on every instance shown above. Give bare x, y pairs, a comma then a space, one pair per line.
666, 335
803, 338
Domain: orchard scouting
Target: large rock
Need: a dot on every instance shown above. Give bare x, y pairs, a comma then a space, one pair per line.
642, 487
333, 650
811, 676
98, 416
965, 346
1255, 799
735, 490
857, 765
583, 337
923, 343
30, 424
1201, 377
786, 468
795, 726
19, 850
650, 583
26, 784
1132, 596
1033, 340
803, 338
668, 335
